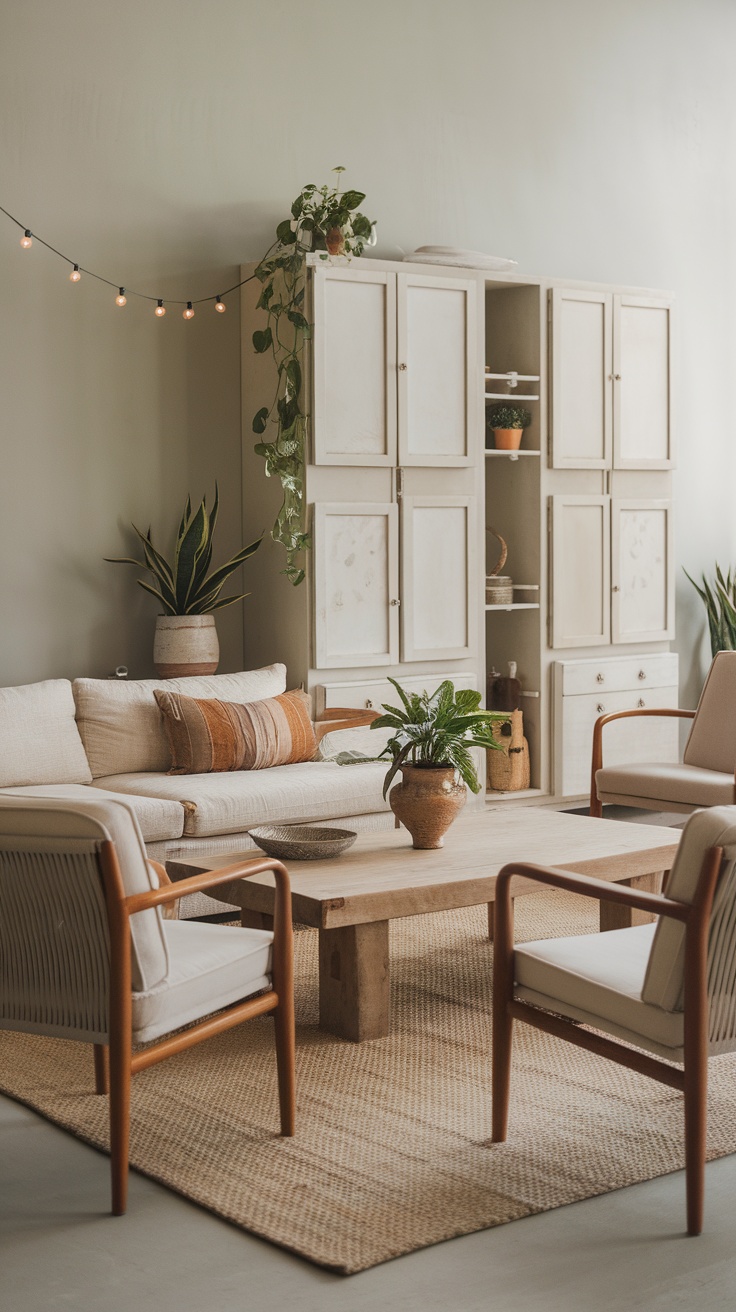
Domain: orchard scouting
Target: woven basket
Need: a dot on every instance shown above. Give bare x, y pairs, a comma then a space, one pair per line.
508, 770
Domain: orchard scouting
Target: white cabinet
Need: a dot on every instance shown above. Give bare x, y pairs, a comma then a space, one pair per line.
611, 364
438, 581
586, 689
395, 369
612, 571
356, 580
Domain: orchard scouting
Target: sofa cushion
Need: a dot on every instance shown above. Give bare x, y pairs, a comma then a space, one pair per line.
40, 740
206, 735
686, 785
160, 819
210, 967
230, 803
120, 723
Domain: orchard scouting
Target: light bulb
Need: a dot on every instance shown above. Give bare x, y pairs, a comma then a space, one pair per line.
220, 306
75, 275
189, 312
121, 298
160, 310
26, 240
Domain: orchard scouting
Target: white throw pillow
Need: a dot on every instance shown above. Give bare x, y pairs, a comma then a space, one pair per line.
363, 739
121, 725
39, 739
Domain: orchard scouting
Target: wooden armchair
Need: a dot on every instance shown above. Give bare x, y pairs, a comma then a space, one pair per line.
88, 955
705, 776
669, 988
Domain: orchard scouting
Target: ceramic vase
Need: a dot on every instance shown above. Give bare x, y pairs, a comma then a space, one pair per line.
185, 644
427, 801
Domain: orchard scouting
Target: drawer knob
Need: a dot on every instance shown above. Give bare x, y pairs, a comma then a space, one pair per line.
599, 678
368, 704
641, 702
642, 674
600, 708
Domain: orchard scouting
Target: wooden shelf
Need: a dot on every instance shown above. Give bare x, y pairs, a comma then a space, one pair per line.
509, 396
514, 605
512, 455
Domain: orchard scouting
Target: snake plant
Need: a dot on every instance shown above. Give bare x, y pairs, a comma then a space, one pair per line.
185, 587
719, 599
437, 730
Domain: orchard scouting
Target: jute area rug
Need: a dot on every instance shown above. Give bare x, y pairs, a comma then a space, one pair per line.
392, 1148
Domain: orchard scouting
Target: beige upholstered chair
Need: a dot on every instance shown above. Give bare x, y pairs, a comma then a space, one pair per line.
704, 777
86, 954
668, 987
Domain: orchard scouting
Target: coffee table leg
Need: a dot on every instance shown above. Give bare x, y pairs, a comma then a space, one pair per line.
491, 920
256, 920
354, 981
618, 917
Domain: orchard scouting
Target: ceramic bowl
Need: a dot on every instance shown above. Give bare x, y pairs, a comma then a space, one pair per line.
302, 842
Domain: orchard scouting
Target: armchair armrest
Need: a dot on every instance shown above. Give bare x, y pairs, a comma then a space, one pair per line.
597, 758
600, 889
342, 717
171, 892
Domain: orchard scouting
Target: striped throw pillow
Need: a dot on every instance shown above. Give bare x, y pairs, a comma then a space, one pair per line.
206, 735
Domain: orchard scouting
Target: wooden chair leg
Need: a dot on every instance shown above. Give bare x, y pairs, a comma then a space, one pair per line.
503, 1030
285, 1053
696, 1121
102, 1071
120, 1077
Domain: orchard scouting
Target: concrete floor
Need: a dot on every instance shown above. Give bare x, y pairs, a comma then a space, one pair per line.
59, 1249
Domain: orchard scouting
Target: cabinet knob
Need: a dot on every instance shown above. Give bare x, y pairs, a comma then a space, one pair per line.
599, 678
617, 377
642, 674
640, 702
368, 704
394, 602
402, 366
615, 588
600, 708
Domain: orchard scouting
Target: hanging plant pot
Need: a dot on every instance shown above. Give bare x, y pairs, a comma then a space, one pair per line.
185, 644
427, 801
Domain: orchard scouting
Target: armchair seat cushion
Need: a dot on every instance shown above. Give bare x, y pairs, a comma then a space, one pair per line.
598, 978
688, 785
283, 794
210, 966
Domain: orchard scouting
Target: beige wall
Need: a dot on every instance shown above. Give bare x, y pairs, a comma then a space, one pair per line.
158, 142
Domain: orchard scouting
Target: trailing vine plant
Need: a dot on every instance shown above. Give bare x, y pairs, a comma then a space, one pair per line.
325, 220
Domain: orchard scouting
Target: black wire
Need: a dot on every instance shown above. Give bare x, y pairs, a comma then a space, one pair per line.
128, 291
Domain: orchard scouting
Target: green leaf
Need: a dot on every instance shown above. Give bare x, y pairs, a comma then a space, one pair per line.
260, 420
264, 299
352, 199
285, 234
297, 207
262, 339
147, 587
188, 549
294, 374
219, 576
298, 320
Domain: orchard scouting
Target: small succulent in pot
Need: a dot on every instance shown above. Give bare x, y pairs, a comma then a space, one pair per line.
508, 423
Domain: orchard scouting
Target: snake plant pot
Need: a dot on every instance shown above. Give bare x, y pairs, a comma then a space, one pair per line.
427, 801
507, 439
185, 644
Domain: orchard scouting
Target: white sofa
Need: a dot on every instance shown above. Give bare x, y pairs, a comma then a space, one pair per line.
62, 739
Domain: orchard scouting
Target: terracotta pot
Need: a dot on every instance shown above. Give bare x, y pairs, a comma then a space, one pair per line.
185, 644
427, 801
507, 439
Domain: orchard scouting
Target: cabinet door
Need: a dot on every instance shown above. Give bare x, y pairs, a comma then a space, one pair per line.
581, 609
642, 358
354, 355
356, 578
439, 385
642, 573
437, 580
581, 372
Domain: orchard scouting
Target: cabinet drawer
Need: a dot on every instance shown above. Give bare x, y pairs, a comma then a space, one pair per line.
371, 694
619, 673
625, 742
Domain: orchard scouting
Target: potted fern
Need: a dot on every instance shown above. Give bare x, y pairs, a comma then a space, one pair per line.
430, 745
507, 423
186, 636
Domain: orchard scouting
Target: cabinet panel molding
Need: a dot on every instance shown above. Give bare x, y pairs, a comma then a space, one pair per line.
354, 364
581, 379
642, 367
438, 592
581, 615
356, 578
642, 569
438, 383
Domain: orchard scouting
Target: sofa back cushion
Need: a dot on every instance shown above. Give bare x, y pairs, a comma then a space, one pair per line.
39, 737
120, 722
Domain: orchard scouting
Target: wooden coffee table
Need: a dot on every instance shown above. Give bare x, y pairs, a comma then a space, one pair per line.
352, 898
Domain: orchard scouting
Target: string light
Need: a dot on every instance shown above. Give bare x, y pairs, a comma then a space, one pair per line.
26, 241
